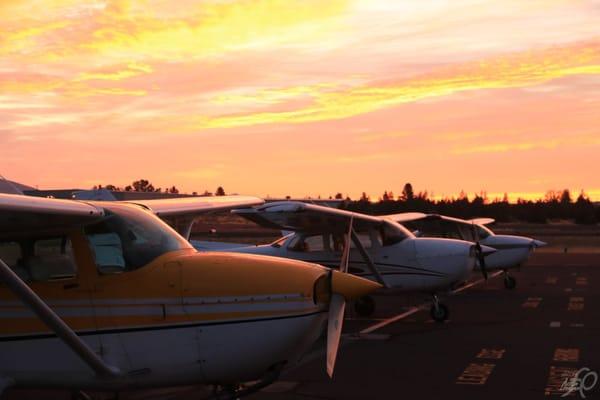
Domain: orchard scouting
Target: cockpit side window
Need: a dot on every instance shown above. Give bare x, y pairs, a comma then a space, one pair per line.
40, 260
308, 243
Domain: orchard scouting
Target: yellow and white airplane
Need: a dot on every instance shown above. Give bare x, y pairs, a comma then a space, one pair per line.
106, 296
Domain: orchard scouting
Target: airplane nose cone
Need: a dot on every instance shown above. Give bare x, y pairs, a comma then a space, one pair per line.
539, 243
351, 286
487, 250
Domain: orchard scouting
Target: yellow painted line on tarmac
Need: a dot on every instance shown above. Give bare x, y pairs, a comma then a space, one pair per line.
388, 321
532, 302
551, 280
477, 282
491, 354
581, 281
566, 355
475, 374
423, 306
575, 304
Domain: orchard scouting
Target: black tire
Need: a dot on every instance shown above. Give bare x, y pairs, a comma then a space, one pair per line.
510, 282
365, 306
439, 314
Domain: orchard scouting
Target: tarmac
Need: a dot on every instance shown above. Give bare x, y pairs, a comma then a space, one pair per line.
525, 343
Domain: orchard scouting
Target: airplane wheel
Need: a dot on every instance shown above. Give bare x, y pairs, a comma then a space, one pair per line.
365, 306
439, 313
510, 282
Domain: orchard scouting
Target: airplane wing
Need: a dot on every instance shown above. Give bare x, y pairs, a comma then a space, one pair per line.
303, 217
482, 221
22, 215
410, 216
181, 212
186, 206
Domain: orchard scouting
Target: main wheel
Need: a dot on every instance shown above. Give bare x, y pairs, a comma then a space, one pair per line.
439, 313
365, 306
510, 282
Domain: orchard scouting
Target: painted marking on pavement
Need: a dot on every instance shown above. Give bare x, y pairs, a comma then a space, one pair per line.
532, 302
424, 306
568, 290
388, 321
475, 374
575, 304
551, 280
556, 380
555, 324
566, 355
576, 325
491, 354
477, 282
581, 281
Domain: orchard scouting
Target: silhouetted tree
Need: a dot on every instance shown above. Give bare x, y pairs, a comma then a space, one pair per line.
220, 191
407, 192
142, 185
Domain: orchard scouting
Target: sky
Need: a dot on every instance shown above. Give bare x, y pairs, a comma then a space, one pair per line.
303, 98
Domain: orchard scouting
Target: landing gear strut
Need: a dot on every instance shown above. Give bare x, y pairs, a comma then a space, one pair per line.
439, 312
509, 281
365, 306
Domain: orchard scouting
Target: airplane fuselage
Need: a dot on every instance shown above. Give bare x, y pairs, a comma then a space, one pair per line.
422, 264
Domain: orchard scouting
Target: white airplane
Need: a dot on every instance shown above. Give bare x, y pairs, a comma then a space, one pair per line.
511, 251
106, 296
382, 250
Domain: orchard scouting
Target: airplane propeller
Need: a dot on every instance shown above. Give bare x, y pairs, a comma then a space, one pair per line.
337, 306
479, 253
481, 259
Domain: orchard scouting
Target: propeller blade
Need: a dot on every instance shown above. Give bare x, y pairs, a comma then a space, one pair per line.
337, 307
481, 259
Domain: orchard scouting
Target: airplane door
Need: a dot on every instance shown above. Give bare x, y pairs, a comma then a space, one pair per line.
55, 270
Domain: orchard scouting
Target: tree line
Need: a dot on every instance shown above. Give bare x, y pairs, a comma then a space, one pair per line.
144, 185
557, 205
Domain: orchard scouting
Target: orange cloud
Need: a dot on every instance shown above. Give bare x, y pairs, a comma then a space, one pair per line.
518, 70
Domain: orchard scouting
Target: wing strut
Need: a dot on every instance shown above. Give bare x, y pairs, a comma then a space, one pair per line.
367, 258
53, 321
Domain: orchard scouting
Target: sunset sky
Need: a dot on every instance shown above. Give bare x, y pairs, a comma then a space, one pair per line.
302, 98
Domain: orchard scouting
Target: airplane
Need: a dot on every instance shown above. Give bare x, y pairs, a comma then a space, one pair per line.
511, 251
106, 296
381, 249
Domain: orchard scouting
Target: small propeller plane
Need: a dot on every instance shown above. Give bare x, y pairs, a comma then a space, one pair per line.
106, 296
511, 251
381, 249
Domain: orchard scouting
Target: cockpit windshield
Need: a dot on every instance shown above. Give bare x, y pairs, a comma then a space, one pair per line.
129, 238
279, 242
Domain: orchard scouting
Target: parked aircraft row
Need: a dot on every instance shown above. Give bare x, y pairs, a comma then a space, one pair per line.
438, 255
105, 295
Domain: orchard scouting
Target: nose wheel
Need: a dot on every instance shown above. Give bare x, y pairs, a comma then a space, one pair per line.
365, 306
509, 281
439, 312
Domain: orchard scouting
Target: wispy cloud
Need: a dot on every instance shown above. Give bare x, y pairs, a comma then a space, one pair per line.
517, 70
